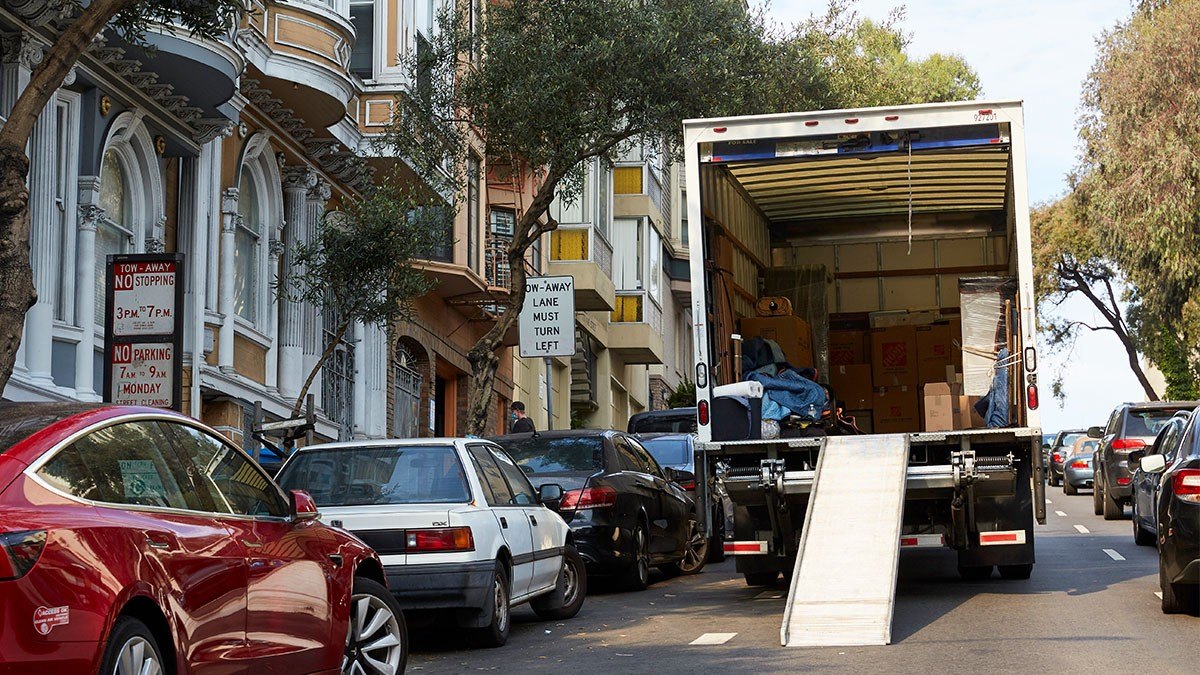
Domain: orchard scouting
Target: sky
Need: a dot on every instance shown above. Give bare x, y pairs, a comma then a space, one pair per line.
1039, 51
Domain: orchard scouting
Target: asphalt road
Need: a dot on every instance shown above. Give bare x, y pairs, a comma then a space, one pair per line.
1090, 606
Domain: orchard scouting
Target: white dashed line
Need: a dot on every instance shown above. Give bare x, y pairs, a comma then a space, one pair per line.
1113, 554
1061, 513
1158, 594
1082, 529
713, 639
769, 595
1049, 502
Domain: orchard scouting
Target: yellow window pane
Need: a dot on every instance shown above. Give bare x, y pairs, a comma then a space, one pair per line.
627, 180
569, 244
628, 309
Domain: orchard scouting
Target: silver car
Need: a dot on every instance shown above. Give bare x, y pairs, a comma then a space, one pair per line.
1077, 469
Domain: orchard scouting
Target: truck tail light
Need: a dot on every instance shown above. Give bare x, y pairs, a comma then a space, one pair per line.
588, 498
1031, 397
702, 413
1128, 443
439, 540
19, 551
1186, 484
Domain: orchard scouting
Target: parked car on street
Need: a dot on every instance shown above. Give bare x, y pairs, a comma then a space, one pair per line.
628, 514
137, 540
1077, 469
1144, 485
456, 523
1176, 512
1131, 426
670, 421
678, 451
1060, 448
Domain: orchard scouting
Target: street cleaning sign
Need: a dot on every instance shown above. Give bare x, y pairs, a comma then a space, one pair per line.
547, 321
143, 330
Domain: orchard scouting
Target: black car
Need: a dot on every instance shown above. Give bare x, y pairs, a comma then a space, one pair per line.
671, 421
627, 512
1059, 451
678, 451
1177, 513
1132, 426
1144, 485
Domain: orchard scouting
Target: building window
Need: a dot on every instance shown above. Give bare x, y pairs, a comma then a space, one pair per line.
536, 255
406, 394
247, 245
503, 222
475, 17
683, 217
362, 55
654, 271
603, 197
473, 212
627, 180
114, 232
628, 268
337, 377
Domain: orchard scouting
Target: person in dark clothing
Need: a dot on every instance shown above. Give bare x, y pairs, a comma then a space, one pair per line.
521, 423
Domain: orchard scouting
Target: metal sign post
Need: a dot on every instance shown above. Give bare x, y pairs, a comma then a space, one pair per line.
547, 321
143, 330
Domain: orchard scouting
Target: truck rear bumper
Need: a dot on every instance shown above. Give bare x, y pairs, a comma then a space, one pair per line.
918, 478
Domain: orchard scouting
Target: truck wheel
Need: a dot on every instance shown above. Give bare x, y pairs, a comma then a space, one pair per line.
566, 599
1016, 571
1098, 496
1069, 489
975, 572
761, 578
1177, 598
716, 545
1112, 509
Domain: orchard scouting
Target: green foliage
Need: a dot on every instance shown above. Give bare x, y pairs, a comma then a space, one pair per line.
211, 19
1138, 181
1171, 355
683, 396
361, 263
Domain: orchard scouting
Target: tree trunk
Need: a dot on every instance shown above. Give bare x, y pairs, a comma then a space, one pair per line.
312, 374
1111, 313
17, 292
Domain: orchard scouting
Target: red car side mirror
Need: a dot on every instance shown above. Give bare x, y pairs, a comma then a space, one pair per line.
303, 506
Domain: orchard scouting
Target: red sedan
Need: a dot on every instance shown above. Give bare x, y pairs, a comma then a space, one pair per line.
135, 540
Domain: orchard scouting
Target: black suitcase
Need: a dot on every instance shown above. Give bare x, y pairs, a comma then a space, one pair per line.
736, 418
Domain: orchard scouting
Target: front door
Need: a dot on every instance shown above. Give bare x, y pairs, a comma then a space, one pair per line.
509, 512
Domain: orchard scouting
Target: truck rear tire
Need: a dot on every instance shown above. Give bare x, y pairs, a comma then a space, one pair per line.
760, 578
975, 572
1112, 508
1016, 571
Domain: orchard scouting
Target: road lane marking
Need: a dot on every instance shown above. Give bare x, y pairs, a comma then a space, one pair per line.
1158, 594
713, 639
1082, 529
1113, 554
1061, 513
1049, 502
769, 595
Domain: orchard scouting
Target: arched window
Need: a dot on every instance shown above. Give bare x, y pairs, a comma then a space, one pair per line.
114, 232
247, 249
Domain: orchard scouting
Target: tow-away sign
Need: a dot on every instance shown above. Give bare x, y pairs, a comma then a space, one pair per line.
547, 321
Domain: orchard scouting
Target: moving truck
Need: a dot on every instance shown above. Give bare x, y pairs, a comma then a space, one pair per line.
871, 222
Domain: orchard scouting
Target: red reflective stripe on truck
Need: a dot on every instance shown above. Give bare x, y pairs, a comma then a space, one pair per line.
923, 541
745, 547
996, 538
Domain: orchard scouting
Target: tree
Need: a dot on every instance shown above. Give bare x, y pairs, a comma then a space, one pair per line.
130, 19
1138, 181
1069, 261
359, 267
683, 396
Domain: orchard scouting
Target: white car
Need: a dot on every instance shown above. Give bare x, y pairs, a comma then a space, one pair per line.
457, 525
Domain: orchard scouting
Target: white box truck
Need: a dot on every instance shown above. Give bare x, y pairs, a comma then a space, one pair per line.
868, 217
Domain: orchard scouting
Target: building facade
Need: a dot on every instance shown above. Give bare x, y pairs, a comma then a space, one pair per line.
230, 152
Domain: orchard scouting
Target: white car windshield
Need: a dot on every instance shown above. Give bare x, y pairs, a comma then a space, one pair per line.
373, 475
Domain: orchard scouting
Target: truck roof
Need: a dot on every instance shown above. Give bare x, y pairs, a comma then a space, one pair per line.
773, 117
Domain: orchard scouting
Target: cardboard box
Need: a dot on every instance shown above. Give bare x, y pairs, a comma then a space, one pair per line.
791, 333
886, 318
934, 352
943, 406
862, 420
895, 410
894, 357
852, 385
848, 347
968, 418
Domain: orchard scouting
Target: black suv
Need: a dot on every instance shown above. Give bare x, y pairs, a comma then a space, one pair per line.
1132, 426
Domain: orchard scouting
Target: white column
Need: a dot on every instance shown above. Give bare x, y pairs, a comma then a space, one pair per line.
229, 216
44, 245
297, 181
311, 318
361, 357
194, 204
85, 289
375, 343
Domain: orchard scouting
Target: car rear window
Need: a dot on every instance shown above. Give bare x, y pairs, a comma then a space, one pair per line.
668, 451
557, 455
409, 474
1069, 439
1147, 422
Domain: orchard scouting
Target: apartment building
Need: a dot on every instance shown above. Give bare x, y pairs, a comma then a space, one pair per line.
230, 151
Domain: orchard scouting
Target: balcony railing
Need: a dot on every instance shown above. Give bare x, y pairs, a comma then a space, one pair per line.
581, 243
496, 266
637, 307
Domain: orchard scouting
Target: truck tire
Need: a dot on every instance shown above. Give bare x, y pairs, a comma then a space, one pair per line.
975, 572
716, 545
1098, 496
1016, 571
1112, 509
761, 578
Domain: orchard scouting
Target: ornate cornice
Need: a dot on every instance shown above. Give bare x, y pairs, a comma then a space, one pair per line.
89, 217
21, 49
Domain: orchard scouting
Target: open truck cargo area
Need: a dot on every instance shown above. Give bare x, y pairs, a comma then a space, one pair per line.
885, 254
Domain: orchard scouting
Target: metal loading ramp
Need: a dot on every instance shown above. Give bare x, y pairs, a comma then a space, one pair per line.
844, 583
